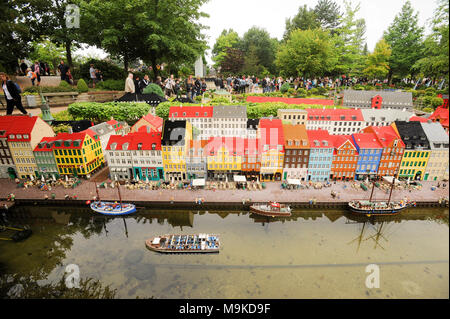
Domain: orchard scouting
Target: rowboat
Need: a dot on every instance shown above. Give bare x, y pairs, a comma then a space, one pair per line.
112, 209
198, 243
271, 209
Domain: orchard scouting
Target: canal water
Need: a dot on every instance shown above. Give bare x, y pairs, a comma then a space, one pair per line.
313, 254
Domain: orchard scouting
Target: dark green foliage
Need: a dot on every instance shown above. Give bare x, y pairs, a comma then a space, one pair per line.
110, 71
100, 112
285, 87
82, 86
114, 85
48, 89
154, 88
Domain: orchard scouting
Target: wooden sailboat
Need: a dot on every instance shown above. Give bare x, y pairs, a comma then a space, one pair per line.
112, 208
379, 208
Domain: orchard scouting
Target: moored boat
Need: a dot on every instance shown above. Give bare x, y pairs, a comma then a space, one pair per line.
112, 209
271, 209
198, 243
369, 208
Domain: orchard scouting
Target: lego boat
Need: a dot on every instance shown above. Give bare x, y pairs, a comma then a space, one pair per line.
113, 209
271, 209
198, 243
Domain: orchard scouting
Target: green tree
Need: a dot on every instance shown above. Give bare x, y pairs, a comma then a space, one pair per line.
304, 19
328, 14
377, 63
349, 42
404, 36
47, 51
153, 30
264, 47
252, 65
233, 61
306, 53
227, 39
14, 35
436, 46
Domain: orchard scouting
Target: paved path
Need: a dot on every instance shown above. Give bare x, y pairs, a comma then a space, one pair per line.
86, 191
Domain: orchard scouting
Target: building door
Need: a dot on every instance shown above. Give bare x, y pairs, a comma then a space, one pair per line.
426, 177
12, 173
285, 175
160, 173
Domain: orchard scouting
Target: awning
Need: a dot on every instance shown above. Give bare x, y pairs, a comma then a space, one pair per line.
293, 181
389, 179
239, 178
198, 182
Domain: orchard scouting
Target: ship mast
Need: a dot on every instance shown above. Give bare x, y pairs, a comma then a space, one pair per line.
120, 197
392, 185
96, 189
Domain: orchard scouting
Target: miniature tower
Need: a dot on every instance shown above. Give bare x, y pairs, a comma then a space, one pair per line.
45, 109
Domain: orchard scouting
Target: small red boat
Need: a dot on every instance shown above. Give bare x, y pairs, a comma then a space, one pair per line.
271, 209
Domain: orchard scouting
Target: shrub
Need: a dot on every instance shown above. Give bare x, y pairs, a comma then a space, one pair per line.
427, 109
321, 90
314, 91
100, 112
82, 86
301, 92
48, 89
198, 98
436, 101
154, 88
65, 85
109, 70
114, 85
285, 87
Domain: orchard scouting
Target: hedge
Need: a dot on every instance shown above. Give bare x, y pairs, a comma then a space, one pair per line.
112, 85
101, 112
153, 88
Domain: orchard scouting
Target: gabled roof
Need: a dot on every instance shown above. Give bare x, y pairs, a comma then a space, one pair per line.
441, 115
17, 125
366, 140
319, 139
435, 133
102, 129
287, 100
385, 135
174, 131
252, 124
234, 145
385, 115
389, 98
135, 141
418, 119
334, 115
412, 134
295, 133
190, 111
73, 140
45, 145
340, 140
251, 146
153, 120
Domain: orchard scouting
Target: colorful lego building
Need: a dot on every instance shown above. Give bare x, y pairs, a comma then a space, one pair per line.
78, 154
345, 158
251, 160
370, 152
23, 136
296, 152
320, 155
175, 145
224, 157
437, 165
155, 123
45, 159
417, 149
7, 166
271, 147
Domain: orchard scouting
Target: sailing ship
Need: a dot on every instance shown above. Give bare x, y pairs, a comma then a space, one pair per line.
199, 243
112, 208
271, 209
379, 208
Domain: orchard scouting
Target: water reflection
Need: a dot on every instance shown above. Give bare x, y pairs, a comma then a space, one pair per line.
256, 249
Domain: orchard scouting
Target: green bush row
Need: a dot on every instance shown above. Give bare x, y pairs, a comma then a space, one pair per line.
112, 85
100, 112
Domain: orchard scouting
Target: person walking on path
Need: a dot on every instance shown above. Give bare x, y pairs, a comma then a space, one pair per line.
129, 84
32, 75
12, 95
36, 68
93, 75
169, 86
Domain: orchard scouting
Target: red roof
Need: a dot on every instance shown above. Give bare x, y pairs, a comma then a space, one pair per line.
320, 139
418, 118
45, 147
287, 100
335, 115
251, 145
13, 125
71, 137
234, 145
386, 136
153, 120
367, 140
440, 115
147, 129
339, 140
272, 133
190, 111
146, 140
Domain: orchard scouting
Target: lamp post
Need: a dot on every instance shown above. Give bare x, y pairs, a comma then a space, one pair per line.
45, 109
